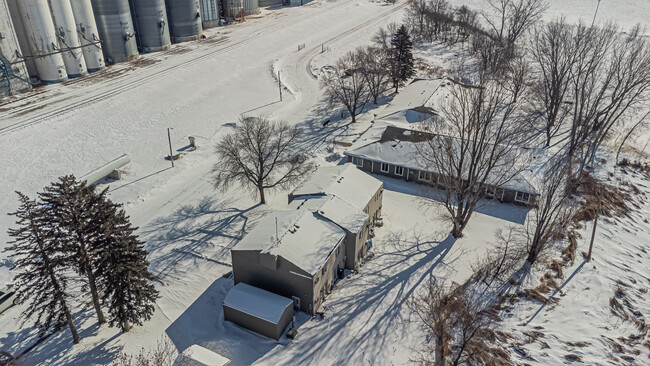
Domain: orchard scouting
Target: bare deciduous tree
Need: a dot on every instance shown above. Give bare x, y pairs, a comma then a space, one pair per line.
473, 150
260, 154
460, 327
610, 80
553, 53
513, 19
553, 212
384, 34
346, 85
374, 71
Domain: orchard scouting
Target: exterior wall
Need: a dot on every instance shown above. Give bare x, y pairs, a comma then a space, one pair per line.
258, 325
247, 267
412, 175
356, 247
326, 277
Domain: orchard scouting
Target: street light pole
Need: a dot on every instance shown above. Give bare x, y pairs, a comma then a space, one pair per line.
280, 85
169, 137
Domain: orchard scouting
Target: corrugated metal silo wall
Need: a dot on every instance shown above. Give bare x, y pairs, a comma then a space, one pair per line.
184, 19
210, 13
233, 8
116, 31
251, 7
151, 25
40, 33
69, 44
84, 17
9, 51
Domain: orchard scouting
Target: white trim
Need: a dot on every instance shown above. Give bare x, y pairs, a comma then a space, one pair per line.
301, 275
424, 179
399, 167
521, 200
358, 159
381, 168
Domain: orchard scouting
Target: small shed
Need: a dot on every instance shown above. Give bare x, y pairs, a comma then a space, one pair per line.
196, 355
261, 311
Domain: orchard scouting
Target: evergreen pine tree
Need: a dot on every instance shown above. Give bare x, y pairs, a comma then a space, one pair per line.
123, 273
402, 67
76, 211
38, 259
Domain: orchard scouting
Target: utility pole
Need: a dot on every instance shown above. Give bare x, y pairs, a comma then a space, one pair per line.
169, 137
593, 231
594, 20
280, 85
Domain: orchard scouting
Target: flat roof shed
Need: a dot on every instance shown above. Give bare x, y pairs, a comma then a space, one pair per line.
259, 310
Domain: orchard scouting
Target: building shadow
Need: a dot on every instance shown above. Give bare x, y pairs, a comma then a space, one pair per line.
369, 307
503, 211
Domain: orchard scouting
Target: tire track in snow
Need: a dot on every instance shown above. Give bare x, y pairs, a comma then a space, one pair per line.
232, 45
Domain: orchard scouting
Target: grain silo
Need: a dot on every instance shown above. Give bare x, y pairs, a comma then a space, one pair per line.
184, 20
13, 72
233, 8
41, 37
21, 35
88, 34
210, 13
151, 25
68, 40
236, 9
115, 27
251, 7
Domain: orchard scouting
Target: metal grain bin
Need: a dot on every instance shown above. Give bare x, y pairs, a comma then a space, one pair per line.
66, 31
13, 72
251, 7
116, 31
184, 20
236, 9
88, 34
151, 25
43, 43
210, 13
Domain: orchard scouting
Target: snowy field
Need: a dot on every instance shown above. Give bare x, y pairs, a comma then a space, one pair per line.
198, 89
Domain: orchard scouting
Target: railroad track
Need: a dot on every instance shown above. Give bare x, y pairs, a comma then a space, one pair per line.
162, 73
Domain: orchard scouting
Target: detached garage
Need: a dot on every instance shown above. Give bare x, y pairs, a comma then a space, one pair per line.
258, 310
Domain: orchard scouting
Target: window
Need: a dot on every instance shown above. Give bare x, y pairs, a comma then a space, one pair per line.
323, 271
522, 197
357, 161
338, 250
425, 176
385, 167
399, 170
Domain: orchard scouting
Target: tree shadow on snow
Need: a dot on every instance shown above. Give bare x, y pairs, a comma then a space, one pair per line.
58, 349
373, 307
504, 211
206, 230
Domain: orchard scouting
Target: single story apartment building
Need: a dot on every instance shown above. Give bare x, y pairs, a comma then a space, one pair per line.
391, 151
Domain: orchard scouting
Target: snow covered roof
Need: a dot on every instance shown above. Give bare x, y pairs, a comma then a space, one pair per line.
343, 181
305, 239
419, 93
398, 146
196, 355
256, 302
334, 209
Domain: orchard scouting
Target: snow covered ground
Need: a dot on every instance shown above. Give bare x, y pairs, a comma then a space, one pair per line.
198, 89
